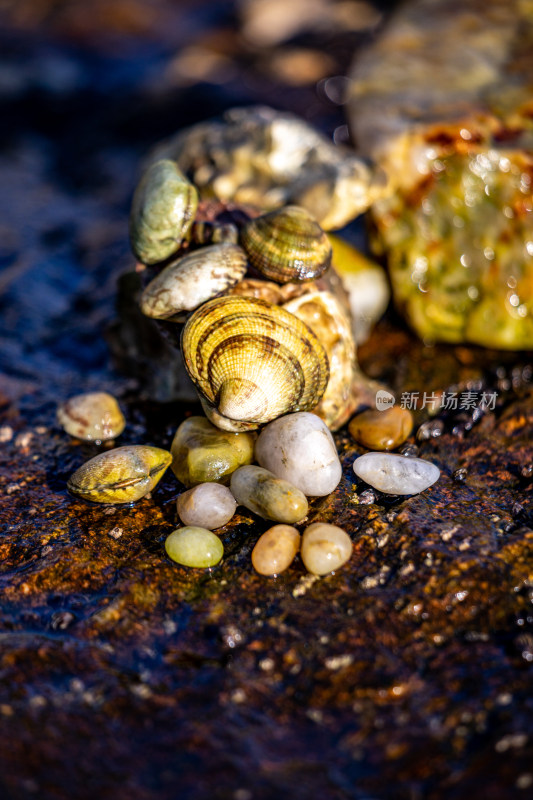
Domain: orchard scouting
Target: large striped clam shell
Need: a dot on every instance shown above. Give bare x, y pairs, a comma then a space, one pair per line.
253, 361
287, 245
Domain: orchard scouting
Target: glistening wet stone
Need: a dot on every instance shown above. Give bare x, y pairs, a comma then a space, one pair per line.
395, 474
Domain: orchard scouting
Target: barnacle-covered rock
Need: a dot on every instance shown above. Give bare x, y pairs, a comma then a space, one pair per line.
270, 158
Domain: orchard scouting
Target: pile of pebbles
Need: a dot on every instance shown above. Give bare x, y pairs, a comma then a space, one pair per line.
296, 458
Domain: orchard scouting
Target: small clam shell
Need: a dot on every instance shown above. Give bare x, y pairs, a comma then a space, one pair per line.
253, 361
95, 416
122, 475
191, 280
162, 211
287, 245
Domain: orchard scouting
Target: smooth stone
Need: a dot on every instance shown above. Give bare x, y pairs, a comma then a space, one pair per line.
208, 505
193, 546
268, 496
325, 548
299, 448
203, 453
394, 474
275, 550
382, 430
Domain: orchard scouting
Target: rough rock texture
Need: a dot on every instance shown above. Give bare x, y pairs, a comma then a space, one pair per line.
406, 676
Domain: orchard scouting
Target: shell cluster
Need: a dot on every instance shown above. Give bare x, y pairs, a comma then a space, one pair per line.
263, 336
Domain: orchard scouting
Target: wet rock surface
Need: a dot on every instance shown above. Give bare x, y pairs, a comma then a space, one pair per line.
123, 675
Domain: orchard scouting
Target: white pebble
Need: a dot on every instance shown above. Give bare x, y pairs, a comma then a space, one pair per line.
299, 448
325, 548
394, 474
208, 505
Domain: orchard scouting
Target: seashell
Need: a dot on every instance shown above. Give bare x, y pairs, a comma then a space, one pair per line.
122, 475
93, 417
211, 232
327, 319
287, 245
191, 280
253, 361
162, 211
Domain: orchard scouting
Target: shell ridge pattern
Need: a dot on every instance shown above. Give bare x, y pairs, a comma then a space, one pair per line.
250, 340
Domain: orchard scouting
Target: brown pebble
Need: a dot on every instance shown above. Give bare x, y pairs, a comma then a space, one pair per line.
382, 430
275, 550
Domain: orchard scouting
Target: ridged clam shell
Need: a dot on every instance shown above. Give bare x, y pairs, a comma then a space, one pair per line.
162, 211
253, 361
122, 475
325, 316
287, 245
191, 280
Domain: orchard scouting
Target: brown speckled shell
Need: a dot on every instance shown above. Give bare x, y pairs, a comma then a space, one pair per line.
253, 361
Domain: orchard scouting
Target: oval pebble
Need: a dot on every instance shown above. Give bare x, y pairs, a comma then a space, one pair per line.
394, 474
192, 546
299, 448
208, 505
275, 550
203, 453
382, 430
325, 548
268, 496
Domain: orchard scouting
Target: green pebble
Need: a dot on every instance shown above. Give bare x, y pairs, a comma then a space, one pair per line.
194, 547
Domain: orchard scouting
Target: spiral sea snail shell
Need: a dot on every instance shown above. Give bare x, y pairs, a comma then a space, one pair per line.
252, 361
